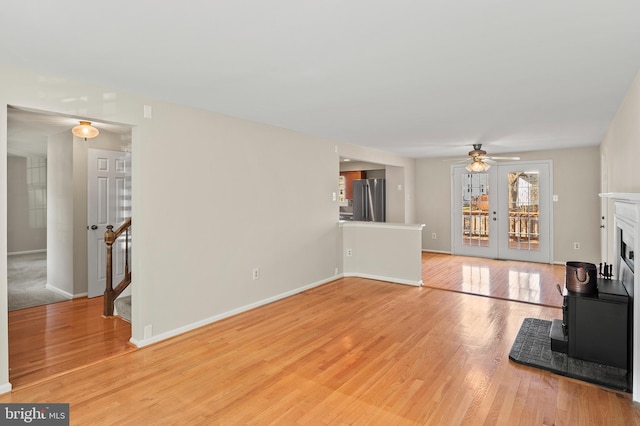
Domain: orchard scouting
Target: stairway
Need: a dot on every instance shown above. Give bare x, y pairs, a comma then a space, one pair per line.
123, 307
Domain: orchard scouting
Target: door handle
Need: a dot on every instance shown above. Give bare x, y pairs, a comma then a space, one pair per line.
93, 227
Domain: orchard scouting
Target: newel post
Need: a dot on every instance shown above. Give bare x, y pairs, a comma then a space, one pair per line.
109, 294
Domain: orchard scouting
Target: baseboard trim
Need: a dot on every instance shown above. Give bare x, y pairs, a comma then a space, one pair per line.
6, 388
180, 330
386, 279
436, 251
17, 253
60, 292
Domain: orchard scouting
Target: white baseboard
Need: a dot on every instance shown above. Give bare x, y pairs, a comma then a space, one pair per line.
436, 251
16, 253
175, 332
5, 388
60, 292
387, 279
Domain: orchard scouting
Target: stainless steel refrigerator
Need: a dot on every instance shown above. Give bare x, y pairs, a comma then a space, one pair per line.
369, 200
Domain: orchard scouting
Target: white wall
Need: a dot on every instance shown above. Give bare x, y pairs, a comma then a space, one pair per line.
60, 213
620, 151
395, 191
576, 181
383, 251
213, 198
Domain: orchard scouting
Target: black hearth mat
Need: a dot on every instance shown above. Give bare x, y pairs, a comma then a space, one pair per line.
532, 347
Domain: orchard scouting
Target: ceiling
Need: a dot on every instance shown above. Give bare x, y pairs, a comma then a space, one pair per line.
418, 78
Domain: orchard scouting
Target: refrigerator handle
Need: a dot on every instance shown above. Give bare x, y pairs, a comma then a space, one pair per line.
362, 205
370, 206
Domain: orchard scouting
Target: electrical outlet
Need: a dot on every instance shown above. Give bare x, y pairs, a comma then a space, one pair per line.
576, 246
349, 252
434, 236
256, 273
148, 331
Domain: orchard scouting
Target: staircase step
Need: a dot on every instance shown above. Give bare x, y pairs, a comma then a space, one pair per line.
123, 307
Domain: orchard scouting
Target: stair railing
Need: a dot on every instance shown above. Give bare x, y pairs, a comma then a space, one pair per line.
111, 294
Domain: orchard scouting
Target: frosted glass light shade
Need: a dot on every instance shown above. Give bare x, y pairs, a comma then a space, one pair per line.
478, 166
85, 130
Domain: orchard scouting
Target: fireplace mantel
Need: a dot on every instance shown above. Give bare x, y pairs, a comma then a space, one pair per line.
627, 218
633, 197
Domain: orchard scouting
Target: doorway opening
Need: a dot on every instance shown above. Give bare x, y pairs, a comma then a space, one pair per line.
50, 200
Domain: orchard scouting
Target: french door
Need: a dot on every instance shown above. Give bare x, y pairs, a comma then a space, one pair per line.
504, 212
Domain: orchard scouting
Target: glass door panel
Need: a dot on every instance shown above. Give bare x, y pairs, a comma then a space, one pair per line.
475, 233
524, 207
475, 209
525, 191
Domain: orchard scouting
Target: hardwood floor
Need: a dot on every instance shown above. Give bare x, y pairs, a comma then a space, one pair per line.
353, 351
523, 281
45, 341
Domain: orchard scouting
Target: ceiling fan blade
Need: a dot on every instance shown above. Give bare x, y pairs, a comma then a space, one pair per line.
456, 160
502, 158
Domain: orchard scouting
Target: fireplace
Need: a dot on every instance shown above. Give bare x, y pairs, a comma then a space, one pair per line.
625, 239
625, 266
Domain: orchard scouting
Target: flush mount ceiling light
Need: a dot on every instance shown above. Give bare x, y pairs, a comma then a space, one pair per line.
85, 130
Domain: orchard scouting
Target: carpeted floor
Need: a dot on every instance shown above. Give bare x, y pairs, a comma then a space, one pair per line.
26, 280
532, 347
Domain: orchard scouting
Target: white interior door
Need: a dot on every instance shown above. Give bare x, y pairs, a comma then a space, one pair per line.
109, 203
504, 212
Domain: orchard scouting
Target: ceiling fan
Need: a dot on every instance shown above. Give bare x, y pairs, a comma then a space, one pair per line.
480, 160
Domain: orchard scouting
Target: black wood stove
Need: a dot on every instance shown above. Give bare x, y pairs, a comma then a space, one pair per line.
595, 326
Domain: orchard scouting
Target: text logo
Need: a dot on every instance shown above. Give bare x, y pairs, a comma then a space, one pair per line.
34, 414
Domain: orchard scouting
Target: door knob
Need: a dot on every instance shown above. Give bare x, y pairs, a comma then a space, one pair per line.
93, 227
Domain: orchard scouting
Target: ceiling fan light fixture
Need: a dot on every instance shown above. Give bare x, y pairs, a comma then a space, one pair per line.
85, 130
478, 165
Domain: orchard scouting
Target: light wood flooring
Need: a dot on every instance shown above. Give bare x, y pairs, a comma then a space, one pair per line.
522, 281
46, 341
353, 351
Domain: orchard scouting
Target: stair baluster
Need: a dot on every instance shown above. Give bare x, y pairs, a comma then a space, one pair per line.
110, 293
